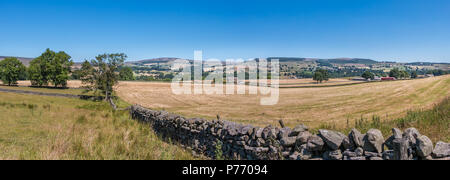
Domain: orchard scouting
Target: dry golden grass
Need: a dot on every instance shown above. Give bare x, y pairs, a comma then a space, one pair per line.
40, 127
311, 106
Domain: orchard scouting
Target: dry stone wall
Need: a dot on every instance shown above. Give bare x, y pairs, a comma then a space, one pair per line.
228, 140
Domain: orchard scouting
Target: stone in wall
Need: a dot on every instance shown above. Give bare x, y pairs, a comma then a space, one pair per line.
246, 142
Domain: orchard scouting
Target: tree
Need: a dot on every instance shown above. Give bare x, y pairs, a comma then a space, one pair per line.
368, 75
169, 76
76, 74
321, 75
60, 69
126, 74
395, 73
404, 74
414, 74
10, 70
50, 67
39, 70
101, 74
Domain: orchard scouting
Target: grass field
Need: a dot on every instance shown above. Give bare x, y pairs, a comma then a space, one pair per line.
311, 106
41, 127
434, 122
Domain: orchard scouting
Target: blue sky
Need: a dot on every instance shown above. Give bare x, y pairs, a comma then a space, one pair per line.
399, 30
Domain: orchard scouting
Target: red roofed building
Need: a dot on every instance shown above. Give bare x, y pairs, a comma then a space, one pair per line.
388, 79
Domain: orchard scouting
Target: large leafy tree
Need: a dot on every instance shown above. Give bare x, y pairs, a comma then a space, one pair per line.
60, 69
321, 75
39, 70
405, 75
395, 73
10, 70
368, 75
102, 73
50, 67
126, 74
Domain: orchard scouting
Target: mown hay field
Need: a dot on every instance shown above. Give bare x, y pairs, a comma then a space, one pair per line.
313, 106
42, 127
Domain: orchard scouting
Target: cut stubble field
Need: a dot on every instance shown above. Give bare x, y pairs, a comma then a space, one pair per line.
312, 106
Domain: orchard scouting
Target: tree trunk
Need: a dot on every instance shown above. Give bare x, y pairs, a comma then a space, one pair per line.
111, 102
108, 98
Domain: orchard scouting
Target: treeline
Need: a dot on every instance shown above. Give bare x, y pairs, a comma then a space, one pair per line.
340, 73
321, 75
125, 74
49, 68
335, 73
152, 68
55, 68
405, 74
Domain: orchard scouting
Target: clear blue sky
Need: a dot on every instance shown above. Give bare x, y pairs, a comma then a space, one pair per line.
400, 30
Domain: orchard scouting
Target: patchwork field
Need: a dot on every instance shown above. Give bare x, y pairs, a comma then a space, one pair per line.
42, 127
313, 106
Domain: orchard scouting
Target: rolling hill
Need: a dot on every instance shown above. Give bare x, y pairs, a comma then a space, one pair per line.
25, 61
281, 59
154, 60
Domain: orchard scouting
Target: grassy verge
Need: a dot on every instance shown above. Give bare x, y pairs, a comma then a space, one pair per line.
434, 123
41, 127
49, 90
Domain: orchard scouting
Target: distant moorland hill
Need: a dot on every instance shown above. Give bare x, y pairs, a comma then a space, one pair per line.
25, 61
154, 60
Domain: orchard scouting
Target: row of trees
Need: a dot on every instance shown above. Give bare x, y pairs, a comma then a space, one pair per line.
321, 75
50, 67
402, 74
125, 74
98, 75
399, 74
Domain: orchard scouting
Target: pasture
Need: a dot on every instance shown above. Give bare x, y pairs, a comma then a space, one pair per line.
42, 127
